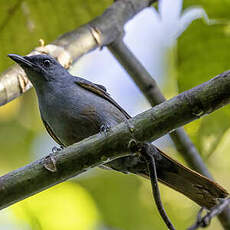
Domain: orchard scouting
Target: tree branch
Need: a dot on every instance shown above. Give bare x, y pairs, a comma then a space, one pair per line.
150, 152
152, 92
203, 222
98, 149
101, 31
150, 89
70, 46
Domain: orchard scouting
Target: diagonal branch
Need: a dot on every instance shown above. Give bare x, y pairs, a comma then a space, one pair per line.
152, 92
101, 31
98, 149
70, 46
150, 89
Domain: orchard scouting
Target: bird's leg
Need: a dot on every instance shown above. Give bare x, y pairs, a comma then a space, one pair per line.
56, 149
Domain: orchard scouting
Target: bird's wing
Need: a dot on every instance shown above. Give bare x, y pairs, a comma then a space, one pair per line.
51, 133
102, 87
100, 91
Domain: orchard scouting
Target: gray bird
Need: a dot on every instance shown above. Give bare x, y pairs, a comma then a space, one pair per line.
73, 108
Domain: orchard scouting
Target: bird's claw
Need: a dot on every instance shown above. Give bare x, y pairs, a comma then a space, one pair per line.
56, 149
105, 128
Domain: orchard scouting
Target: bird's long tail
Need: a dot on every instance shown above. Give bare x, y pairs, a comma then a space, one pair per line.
196, 187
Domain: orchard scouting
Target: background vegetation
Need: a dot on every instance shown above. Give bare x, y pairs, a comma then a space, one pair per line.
105, 199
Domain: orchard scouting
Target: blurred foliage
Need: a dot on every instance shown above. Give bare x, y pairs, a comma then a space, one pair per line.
105, 199
65, 206
126, 202
24, 22
202, 54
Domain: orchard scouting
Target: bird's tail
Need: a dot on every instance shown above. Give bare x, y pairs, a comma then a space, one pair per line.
196, 187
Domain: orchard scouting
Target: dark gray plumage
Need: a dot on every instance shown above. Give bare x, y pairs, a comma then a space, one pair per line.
69, 107
73, 108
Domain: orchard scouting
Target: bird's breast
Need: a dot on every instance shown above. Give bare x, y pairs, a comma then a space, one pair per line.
74, 115
70, 122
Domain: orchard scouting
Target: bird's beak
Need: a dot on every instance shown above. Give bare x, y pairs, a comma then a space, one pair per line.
22, 61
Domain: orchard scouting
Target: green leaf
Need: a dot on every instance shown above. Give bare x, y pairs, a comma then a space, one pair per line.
202, 54
23, 23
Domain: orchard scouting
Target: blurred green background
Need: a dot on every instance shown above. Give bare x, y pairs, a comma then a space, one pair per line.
98, 199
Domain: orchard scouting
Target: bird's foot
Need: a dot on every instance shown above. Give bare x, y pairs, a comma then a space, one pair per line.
56, 149
105, 128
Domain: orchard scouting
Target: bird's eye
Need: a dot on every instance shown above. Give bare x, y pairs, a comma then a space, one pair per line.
46, 63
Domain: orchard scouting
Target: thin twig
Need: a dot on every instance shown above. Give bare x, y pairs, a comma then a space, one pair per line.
203, 222
148, 151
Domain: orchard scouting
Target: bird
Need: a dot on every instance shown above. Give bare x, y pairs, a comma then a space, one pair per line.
73, 108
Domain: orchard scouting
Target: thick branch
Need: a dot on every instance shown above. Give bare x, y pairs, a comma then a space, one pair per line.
70, 46
97, 149
150, 89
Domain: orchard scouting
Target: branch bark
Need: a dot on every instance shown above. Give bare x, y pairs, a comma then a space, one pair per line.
152, 92
150, 89
203, 222
67, 48
70, 46
99, 149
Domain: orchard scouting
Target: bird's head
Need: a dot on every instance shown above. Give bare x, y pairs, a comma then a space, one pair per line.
39, 68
